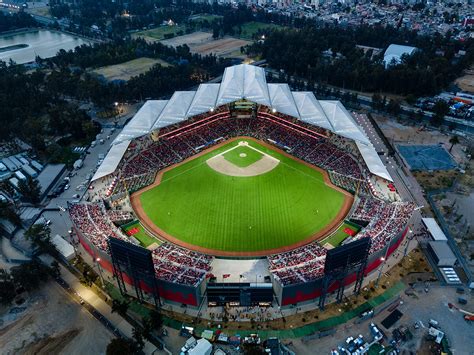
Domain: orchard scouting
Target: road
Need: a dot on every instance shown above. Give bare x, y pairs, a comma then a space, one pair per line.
98, 308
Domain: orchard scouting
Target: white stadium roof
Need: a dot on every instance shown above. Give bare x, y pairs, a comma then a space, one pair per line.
111, 160
373, 161
142, 122
282, 99
243, 82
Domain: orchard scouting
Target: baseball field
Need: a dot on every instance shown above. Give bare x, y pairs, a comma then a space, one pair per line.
242, 198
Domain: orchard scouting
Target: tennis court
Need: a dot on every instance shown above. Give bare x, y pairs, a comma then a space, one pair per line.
427, 157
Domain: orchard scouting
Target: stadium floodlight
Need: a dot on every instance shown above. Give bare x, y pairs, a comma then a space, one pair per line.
274, 110
211, 109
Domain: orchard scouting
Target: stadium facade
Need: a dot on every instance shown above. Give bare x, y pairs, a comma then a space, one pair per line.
164, 132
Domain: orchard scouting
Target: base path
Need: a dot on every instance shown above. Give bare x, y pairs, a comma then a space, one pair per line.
153, 229
264, 165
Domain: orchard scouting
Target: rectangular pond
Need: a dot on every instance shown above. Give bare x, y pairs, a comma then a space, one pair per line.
23, 47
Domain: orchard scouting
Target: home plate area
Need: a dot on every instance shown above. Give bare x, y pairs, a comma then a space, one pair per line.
242, 160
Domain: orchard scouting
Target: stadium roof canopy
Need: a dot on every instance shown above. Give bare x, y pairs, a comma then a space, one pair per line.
373, 161
242, 82
111, 160
142, 122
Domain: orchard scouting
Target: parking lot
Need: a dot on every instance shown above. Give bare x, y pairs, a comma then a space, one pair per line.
78, 182
421, 307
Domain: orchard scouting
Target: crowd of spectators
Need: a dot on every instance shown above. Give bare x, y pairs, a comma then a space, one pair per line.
92, 220
304, 264
180, 265
171, 263
146, 156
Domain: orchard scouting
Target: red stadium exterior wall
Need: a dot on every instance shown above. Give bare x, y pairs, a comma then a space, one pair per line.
192, 296
304, 292
169, 291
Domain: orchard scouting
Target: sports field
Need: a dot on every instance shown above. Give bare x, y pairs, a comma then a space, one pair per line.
127, 70
244, 198
136, 230
341, 234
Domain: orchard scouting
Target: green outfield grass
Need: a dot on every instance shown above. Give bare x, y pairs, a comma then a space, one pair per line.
242, 214
339, 236
142, 236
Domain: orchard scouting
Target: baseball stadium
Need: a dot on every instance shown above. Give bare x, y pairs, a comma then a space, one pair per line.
237, 194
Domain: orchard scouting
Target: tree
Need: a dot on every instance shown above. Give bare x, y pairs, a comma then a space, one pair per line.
153, 321
138, 337
7, 288
156, 319
440, 110
8, 212
30, 275
55, 269
30, 189
120, 346
40, 235
393, 107
120, 307
453, 140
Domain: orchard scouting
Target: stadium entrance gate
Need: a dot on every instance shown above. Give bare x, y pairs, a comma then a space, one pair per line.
239, 294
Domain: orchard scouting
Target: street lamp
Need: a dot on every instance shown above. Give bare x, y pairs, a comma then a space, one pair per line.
100, 271
382, 259
409, 239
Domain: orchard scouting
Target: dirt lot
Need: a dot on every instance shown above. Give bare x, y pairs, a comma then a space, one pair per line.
52, 323
203, 43
127, 70
466, 82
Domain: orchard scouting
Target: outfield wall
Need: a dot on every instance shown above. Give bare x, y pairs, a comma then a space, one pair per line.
169, 291
309, 291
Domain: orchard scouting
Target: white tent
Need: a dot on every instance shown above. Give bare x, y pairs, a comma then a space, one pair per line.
434, 229
373, 161
111, 160
203, 347
64, 247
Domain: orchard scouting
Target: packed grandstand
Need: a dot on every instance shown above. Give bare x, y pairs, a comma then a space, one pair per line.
164, 133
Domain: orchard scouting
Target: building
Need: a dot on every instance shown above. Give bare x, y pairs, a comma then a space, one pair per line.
394, 53
442, 253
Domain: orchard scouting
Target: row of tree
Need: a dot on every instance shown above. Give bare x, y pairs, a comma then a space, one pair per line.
331, 55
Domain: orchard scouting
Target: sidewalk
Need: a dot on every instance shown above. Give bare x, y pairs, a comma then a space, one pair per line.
90, 297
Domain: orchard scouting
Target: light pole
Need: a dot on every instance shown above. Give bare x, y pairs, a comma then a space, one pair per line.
380, 271
100, 271
409, 239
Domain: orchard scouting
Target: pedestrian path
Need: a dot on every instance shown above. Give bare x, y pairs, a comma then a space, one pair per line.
102, 307
309, 328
